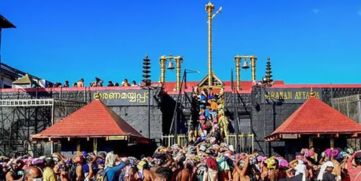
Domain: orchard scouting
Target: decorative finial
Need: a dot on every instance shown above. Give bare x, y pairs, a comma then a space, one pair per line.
97, 96
312, 93
268, 77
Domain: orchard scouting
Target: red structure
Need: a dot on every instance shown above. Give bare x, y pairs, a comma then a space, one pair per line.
315, 121
95, 122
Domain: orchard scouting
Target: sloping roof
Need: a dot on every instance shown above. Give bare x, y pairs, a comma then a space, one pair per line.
216, 81
93, 120
315, 117
23, 80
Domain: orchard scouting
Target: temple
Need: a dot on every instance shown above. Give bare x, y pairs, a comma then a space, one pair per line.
264, 114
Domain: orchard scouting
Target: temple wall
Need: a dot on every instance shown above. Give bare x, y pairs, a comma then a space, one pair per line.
272, 106
260, 112
18, 123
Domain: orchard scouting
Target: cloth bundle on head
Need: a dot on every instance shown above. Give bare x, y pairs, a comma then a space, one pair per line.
305, 152
162, 149
271, 163
100, 161
212, 140
323, 169
349, 151
261, 158
202, 148
175, 147
282, 163
231, 148
191, 149
341, 155
331, 152
37, 161
141, 164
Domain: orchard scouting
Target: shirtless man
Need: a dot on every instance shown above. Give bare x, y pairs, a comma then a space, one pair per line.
15, 173
148, 175
240, 169
33, 174
186, 173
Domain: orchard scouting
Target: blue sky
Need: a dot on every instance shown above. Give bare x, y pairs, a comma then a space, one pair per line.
310, 41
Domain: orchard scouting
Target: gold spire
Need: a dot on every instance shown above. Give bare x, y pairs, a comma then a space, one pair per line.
97, 96
312, 93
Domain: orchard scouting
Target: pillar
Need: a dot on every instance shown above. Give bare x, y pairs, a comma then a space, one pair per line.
253, 67
310, 141
163, 60
237, 60
332, 142
78, 147
178, 61
95, 145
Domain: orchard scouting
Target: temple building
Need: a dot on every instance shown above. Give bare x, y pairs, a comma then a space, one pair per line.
265, 114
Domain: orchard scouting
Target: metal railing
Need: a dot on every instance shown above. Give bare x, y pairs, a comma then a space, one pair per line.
245, 141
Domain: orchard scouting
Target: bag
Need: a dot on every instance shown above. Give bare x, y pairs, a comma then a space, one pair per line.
211, 163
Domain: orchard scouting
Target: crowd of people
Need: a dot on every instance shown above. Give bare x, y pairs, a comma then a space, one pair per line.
96, 83
208, 116
202, 162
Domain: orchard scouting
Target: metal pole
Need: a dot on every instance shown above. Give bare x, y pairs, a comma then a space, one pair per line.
235, 111
358, 109
52, 123
209, 9
1, 95
149, 112
1, 76
176, 122
0, 42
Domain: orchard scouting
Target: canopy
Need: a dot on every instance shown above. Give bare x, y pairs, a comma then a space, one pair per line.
315, 117
94, 120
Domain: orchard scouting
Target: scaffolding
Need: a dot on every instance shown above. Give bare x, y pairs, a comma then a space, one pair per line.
351, 107
21, 118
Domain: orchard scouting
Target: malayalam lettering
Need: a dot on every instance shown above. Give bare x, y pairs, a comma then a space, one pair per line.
131, 97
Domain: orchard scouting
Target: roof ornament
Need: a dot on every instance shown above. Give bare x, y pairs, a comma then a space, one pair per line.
312, 93
97, 96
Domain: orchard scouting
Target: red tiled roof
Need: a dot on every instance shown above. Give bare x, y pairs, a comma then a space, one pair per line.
316, 117
93, 120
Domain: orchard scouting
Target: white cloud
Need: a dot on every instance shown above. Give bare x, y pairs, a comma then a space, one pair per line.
315, 10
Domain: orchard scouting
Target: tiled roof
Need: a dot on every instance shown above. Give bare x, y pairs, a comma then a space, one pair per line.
92, 120
316, 117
